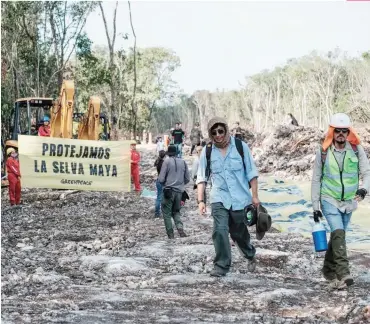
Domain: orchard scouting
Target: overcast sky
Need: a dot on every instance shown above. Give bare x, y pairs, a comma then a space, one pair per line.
219, 43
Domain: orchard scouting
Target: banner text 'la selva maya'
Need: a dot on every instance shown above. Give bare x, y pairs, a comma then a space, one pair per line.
48, 162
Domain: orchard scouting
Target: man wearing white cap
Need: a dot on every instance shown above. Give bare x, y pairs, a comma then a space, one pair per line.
335, 189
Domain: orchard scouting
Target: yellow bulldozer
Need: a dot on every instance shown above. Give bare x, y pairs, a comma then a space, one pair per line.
28, 115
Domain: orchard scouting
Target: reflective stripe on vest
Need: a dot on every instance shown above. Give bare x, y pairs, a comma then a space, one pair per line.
340, 185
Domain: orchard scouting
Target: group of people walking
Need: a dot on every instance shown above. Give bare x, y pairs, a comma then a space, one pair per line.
227, 163
173, 175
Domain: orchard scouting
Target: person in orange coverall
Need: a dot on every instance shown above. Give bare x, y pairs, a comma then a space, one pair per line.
14, 175
135, 159
44, 130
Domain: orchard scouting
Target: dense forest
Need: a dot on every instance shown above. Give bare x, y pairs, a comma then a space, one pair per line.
44, 42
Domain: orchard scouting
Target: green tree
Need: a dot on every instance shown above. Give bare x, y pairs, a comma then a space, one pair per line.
154, 84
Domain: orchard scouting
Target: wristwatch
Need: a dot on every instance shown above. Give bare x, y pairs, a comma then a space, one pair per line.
200, 201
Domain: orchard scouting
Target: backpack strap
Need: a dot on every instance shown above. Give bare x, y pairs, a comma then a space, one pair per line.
355, 149
208, 157
239, 147
323, 156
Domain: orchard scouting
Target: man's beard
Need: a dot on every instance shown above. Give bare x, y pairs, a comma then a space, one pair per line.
340, 140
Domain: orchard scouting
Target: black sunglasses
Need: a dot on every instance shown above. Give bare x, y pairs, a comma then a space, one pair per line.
218, 131
341, 130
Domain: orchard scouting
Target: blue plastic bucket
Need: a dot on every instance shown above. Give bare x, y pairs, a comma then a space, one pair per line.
319, 238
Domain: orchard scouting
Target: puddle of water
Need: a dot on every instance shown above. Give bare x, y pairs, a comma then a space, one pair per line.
290, 207
146, 193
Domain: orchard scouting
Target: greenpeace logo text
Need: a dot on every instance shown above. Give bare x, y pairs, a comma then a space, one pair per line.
77, 182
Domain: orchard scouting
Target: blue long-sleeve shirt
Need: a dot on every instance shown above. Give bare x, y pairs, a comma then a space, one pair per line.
230, 183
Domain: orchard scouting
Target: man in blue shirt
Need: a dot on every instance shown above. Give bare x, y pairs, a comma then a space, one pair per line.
230, 193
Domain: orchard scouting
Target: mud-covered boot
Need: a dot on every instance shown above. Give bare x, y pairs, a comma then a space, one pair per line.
341, 284
171, 235
345, 282
333, 284
217, 272
181, 232
252, 263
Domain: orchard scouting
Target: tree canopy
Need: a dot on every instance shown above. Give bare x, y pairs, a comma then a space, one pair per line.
44, 42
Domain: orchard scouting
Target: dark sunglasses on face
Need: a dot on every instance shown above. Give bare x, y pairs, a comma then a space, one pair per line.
341, 130
218, 131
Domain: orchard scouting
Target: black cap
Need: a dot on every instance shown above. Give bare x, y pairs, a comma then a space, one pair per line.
172, 150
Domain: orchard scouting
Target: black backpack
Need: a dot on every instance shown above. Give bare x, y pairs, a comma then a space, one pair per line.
239, 147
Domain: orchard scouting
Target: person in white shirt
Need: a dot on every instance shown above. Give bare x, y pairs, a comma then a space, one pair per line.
160, 145
194, 168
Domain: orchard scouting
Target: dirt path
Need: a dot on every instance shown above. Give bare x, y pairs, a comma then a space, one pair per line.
103, 258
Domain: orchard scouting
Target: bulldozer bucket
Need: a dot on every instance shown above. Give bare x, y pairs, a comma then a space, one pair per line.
62, 111
89, 126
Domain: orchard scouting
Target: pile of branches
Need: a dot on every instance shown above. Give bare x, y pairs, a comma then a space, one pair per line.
288, 148
292, 149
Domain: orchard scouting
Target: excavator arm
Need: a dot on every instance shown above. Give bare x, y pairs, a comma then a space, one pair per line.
89, 127
62, 111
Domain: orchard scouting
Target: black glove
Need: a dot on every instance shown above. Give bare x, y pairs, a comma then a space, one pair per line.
362, 193
316, 215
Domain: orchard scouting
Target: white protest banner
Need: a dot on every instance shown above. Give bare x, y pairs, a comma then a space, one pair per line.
59, 163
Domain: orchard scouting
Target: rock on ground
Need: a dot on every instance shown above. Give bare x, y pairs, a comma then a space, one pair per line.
91, 257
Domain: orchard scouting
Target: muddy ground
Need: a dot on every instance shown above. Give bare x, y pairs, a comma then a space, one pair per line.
91, 257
